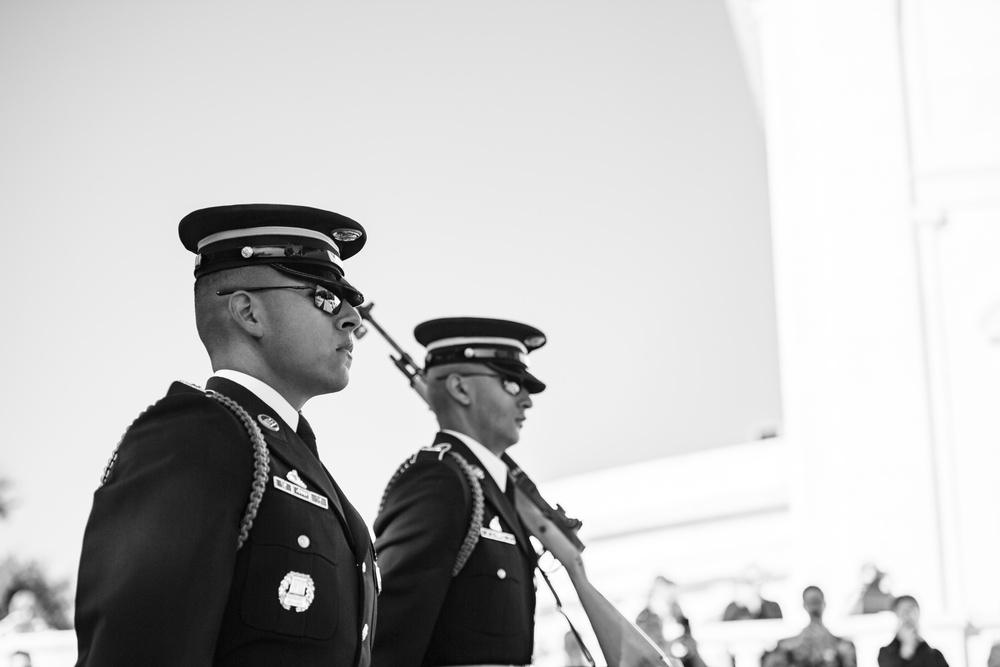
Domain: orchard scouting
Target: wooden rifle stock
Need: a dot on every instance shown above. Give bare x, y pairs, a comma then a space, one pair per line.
623, 644
557, 515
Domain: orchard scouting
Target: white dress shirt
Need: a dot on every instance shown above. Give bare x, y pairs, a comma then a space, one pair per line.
494, 464
266, 393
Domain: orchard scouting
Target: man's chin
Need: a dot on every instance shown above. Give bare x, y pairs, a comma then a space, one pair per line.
338, 384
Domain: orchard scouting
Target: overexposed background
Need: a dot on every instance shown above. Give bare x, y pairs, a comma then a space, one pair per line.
594, 169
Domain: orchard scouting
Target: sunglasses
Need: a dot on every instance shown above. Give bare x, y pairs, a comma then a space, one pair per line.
512, 387
323, 298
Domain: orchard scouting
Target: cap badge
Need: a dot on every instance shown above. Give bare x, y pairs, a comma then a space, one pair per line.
345, 235
294, 478
246, 252
269, 422
469, 353
534, 341
296, 590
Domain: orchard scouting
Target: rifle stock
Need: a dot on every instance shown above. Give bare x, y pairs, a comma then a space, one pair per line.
623, 644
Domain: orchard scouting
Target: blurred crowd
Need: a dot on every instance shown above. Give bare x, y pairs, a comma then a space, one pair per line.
665, 623
25, 609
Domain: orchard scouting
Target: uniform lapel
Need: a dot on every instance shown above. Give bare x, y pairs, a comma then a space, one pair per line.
491, 491
283, 442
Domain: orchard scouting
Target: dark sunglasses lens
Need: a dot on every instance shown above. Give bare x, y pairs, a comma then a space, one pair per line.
327, 301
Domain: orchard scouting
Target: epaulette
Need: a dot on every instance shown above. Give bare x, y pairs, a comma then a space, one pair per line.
261, 458
472, 475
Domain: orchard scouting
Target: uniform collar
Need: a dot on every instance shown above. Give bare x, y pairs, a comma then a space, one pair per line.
264, 392
493, 464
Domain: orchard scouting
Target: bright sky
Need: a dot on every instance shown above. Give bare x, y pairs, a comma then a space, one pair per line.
595, 169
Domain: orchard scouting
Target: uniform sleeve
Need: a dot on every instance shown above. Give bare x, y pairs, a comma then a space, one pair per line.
160, 545
418, 535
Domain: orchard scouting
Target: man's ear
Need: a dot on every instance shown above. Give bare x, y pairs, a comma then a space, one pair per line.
244, 310
458, 389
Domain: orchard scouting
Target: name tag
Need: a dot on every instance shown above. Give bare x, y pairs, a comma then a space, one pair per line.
300, 493
490, 534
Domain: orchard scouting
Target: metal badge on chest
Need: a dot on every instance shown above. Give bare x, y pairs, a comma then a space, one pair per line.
296, 591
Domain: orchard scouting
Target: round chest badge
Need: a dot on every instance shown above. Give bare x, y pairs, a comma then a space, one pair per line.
296, 591
268, 421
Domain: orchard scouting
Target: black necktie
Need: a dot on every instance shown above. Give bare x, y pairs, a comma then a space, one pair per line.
510, 491
305, 432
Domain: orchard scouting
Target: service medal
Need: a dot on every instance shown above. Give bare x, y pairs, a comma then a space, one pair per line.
296, 590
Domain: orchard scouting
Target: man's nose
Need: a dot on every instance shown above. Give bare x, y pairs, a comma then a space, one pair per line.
348, 318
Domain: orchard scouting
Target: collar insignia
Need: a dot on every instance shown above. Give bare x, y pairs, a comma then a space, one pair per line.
269, 422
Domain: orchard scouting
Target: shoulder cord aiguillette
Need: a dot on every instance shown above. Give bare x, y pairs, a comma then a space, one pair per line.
478, 503
261, 461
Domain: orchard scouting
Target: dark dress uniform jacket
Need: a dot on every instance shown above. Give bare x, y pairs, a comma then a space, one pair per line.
161, 581
924, 656
483, 615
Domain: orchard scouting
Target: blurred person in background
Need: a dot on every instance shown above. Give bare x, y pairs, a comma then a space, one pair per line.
24, 613
908, 648
748, 602
664, 622
874, 596
20, 659
815, 646
662, 615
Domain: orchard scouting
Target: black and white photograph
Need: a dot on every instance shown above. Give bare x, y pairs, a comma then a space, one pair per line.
440, 333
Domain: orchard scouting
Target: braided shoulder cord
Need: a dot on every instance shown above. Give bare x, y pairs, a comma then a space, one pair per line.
114, 455
261, 460
261, 464
478, 502
478, 508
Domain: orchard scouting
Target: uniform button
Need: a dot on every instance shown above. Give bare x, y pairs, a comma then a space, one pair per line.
364, 632
304, 541
501, 573
364, 568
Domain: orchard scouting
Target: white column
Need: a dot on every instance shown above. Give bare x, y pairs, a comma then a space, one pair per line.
852, 341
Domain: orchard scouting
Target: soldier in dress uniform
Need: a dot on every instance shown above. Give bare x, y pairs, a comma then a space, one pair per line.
217, 536
458, 568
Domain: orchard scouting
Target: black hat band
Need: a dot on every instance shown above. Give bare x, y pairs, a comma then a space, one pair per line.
247, 253
457, 355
